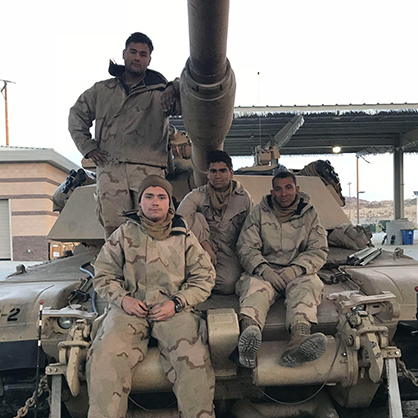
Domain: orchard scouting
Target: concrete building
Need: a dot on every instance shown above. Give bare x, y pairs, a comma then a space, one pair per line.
28, 178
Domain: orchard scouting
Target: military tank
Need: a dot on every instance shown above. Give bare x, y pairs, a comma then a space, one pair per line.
368, 311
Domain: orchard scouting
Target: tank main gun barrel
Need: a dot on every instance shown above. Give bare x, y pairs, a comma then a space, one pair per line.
207, 83
208, 29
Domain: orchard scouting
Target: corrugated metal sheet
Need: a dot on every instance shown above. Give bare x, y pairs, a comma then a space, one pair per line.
355, 128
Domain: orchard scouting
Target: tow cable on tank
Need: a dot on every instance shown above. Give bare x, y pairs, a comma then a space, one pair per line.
323, 384
93, 293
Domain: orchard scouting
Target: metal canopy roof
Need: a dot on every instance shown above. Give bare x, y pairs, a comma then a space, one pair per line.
359, 129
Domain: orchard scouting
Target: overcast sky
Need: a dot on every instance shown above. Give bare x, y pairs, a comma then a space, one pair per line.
306, 52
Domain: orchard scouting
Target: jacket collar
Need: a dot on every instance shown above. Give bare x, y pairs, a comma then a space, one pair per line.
151, 78
303, 205
178, 224
238, 189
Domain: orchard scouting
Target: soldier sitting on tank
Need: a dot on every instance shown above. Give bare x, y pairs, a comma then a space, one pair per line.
282, 246
153, 271
215, 213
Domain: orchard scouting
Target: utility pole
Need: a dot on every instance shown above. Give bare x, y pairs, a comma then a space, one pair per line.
4, 92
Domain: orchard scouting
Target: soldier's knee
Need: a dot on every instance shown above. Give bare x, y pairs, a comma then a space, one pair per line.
309, 283
249, 285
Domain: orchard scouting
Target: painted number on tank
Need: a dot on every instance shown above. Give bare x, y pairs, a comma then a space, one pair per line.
13, 314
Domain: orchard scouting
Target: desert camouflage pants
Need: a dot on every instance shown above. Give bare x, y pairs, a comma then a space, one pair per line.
121, 343
117, 191
228, 271
228, 267
303, 295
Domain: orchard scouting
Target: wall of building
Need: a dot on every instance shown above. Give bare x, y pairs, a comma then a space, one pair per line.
29, 187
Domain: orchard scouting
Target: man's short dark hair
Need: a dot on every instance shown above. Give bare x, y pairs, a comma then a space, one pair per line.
219, 157
139, 37
283, 174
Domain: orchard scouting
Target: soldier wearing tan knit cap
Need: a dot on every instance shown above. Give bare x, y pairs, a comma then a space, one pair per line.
153, 272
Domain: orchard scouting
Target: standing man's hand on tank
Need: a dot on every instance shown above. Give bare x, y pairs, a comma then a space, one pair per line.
167, 99
134, 306
98, 156
162, 311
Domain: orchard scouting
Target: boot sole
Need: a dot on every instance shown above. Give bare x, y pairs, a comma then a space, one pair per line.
309, 350
248, 344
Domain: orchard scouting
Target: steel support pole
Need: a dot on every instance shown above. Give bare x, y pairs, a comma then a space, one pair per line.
349, 201
358, 191
398, 181
7, 114
395, 408
56, 389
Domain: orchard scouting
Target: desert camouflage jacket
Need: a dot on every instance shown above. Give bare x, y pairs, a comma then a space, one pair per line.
133, 263
224, 232
301, 241
130, 127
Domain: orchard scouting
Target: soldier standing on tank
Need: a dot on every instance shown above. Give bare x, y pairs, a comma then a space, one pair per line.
131, 113
282, 246
215, 213
152, 271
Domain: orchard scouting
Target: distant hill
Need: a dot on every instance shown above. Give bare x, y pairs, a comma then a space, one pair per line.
372, 212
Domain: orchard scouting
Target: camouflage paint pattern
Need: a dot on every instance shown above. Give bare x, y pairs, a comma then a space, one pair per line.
133, 263
117, 191
302, 297
121, 343
220, 231
131, 128
301, 241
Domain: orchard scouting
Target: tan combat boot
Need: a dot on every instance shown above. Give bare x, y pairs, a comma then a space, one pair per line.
303, 346
249, 342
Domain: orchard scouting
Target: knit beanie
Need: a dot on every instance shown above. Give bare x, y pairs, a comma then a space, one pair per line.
155, 181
